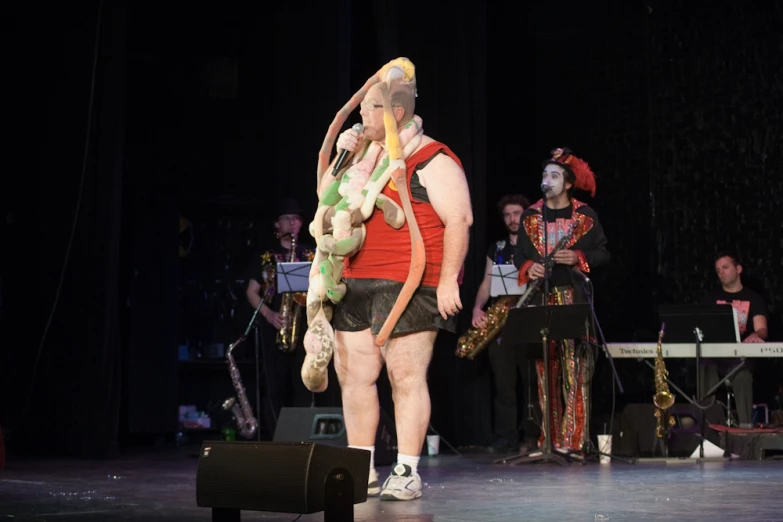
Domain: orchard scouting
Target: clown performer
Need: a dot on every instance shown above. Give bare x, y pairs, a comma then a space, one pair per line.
392, 235
585, 249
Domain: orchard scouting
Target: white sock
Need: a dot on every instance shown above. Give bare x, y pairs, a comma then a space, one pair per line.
409, 460
371, 449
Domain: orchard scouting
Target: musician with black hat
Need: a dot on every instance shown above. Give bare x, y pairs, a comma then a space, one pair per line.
282, 318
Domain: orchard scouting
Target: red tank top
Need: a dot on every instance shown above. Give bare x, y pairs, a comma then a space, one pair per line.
386, 253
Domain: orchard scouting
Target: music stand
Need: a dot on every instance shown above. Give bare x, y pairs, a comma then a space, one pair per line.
543, 324
293, 277
505, 282
717, 322
713, 323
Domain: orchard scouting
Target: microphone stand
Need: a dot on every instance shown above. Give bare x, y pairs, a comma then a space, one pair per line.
546, 249
587, 286
547, 425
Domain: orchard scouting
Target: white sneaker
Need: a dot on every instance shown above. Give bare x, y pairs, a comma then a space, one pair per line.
373, 484
402, 484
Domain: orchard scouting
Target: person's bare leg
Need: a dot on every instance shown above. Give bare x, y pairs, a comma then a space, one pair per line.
358, 363
407, 359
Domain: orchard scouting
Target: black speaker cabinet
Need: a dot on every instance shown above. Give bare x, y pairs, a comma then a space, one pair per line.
636, 437
327, 426
282, 477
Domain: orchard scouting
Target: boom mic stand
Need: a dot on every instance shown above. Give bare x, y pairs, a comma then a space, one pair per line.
588, 288
545, 299
590, 450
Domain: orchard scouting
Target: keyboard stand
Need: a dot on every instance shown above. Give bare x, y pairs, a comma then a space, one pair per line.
734, 371
674, 386
714, 389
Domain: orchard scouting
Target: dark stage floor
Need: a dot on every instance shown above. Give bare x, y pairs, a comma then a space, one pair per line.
161, 487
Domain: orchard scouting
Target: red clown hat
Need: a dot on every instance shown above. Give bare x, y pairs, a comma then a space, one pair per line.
582, 176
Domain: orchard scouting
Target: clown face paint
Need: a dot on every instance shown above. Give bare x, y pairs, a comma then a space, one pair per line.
554, 177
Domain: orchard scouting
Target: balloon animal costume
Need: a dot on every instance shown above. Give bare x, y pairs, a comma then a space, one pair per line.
345, 204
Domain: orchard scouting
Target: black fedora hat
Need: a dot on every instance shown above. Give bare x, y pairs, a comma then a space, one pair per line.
288, 206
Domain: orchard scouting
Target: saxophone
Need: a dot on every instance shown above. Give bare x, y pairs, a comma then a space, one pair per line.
291, 311
247, 425
475, 340
663, 398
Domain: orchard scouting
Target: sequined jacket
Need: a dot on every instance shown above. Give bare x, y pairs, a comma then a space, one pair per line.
587, 240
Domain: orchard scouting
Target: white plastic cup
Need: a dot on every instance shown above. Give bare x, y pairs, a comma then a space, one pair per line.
605, 447
433, 445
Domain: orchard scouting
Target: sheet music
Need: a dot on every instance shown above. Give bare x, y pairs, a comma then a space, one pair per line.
293, 277
504, 281
736, 324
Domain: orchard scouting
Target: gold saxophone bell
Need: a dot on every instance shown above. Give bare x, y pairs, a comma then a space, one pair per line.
472, 342
664, 400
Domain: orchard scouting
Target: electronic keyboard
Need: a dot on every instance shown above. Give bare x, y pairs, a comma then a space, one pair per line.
688, 350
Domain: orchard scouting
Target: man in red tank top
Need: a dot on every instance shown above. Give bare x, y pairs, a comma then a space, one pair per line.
374, 277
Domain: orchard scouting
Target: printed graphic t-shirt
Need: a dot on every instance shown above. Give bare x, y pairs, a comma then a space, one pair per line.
747, 303
558, 224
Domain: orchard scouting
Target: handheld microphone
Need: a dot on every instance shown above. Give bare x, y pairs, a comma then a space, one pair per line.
344, 154
545, 188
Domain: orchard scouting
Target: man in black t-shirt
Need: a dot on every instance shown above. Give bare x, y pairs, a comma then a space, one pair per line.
500, 252
505, 361
282, 371
752, 316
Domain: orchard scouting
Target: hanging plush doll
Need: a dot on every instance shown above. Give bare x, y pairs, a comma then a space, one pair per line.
344, 205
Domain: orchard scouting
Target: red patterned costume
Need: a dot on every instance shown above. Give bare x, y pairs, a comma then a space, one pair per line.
568, 371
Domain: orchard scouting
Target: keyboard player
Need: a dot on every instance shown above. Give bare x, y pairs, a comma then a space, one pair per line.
752, 316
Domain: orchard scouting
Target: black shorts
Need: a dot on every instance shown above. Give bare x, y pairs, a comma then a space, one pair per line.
367, 303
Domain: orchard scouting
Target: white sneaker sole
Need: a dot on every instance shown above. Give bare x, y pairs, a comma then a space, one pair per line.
400, 496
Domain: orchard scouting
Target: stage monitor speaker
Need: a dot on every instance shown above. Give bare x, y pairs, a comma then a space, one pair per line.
282, 477
327, 426
684, 438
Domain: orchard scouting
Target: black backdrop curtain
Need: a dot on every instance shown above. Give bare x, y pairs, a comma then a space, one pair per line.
205, 105
64, 397
192, 133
